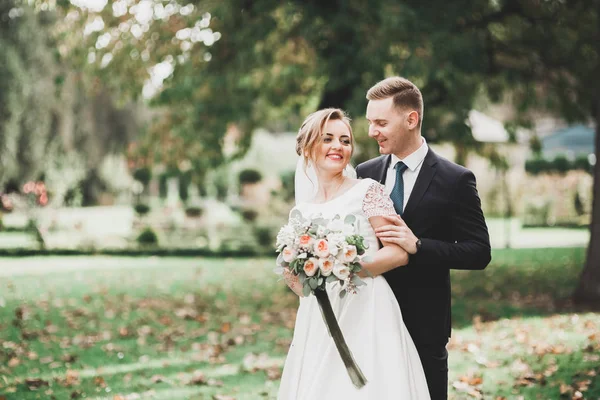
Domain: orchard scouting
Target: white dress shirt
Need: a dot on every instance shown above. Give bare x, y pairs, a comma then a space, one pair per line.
414, 162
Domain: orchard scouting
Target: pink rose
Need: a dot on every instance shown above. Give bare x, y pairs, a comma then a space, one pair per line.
288, 254
310, 266
306, 240
326, 266
322, 248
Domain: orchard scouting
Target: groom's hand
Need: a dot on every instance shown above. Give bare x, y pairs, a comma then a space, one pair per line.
397, 233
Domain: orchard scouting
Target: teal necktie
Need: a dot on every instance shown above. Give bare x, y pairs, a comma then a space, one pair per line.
397, 194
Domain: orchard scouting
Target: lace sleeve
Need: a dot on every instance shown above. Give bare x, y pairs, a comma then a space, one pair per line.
377, 202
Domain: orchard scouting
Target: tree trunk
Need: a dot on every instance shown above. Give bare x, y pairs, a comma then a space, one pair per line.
588, 290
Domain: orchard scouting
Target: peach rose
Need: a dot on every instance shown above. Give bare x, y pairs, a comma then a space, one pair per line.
306, 240
321, 248
341, 271
310, 266
326, 266
289, 254
349, 253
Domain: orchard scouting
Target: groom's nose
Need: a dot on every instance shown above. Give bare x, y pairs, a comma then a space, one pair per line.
373, 132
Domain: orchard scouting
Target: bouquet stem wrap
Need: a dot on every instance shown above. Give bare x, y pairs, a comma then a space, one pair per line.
356, 375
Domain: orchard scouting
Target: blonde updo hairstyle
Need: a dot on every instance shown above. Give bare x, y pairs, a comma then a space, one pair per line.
311, 132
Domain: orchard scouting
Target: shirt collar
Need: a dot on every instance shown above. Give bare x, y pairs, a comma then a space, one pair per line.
413, 160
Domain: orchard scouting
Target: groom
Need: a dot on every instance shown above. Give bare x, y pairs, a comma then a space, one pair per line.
442, 226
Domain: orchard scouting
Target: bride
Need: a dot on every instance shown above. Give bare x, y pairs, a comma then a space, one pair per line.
371, 319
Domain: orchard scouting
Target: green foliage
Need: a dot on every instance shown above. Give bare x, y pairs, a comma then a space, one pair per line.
583, 163
141, 209
27, 66
249, 215
560, 164
147, 238
287, 185
194, 211
265, 236
143, 175
249, 176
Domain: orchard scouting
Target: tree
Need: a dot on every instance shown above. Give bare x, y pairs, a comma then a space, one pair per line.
547, 54
27, 71
49, 107
239, 63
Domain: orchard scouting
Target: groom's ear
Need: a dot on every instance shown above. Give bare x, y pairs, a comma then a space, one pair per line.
412, 119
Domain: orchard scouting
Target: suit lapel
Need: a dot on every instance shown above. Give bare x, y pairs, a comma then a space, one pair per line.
380, 173
426, 174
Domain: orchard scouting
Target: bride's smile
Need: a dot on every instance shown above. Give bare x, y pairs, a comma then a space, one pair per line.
335, 148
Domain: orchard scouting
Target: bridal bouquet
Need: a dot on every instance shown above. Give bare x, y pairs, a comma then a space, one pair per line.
319, 251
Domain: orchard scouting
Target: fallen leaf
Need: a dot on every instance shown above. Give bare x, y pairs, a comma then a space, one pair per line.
273, 373
226, 327
198, 378
72, 377
222, 397
13, 362
35, 383
99, 381
565, 389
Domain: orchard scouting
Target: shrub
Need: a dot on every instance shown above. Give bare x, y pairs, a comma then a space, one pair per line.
185, 179
147, 238
583, 164
536, 166
141, 209
560, 164
249, 215
249, 176
265, 237
194, 211
287, 185
162, 186
143, 175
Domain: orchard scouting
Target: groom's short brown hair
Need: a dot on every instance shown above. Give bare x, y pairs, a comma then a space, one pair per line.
405, 93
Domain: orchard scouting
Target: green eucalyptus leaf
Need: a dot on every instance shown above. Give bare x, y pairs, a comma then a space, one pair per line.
306, 290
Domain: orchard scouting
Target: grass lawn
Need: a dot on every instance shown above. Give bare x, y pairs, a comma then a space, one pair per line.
181, 328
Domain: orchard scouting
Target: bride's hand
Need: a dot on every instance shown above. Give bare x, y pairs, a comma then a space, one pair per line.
293, 282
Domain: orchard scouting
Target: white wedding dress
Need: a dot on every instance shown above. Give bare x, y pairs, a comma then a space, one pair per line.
370, 320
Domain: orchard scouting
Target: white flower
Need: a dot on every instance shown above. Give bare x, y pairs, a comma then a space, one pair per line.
286, 236
348, 230
320, 231
326, 266
334, 250
336, 225
321, 248
349, 253
341, 271
289, 254
336, 239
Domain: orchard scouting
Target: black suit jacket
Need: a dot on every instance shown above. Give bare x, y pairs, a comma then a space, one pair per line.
444, 211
